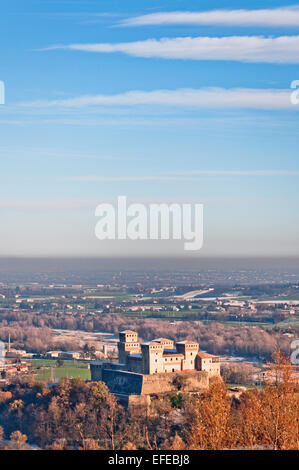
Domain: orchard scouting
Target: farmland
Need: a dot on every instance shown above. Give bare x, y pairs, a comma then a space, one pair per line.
46, 370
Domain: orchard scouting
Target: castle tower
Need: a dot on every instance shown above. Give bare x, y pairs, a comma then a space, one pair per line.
128, 344
165, 342
208, 362
152, 356
190, 350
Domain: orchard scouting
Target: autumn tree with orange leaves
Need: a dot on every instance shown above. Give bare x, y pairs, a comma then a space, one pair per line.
266, 418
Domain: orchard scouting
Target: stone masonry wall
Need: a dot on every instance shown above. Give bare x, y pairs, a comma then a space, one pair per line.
130, 383
163, 383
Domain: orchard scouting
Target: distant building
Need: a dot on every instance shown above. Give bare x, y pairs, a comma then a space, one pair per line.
151, 367
52, 354
14, 353
67, 355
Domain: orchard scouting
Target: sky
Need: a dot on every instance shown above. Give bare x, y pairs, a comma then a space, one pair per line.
173, 101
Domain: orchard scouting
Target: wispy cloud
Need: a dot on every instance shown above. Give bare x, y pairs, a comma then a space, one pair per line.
42, 204
191, 175
251, 98
242, 172
287, 16
110, 179
282, 49
40, 152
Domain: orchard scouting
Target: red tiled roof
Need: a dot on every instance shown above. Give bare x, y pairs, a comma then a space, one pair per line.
204, 355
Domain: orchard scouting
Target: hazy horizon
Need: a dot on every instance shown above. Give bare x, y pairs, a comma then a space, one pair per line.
149, 263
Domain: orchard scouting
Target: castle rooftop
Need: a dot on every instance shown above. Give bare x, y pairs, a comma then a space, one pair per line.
187, 341
148, 343
161, 340
128, 331
204, 355
171, 352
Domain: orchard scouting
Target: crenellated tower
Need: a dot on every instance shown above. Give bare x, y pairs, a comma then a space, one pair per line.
128, 344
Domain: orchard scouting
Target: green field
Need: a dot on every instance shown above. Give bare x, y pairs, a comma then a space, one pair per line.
245, 386
167, 314
47, 371
292, 323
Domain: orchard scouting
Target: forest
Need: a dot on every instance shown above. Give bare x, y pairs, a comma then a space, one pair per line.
32, 331
84, 416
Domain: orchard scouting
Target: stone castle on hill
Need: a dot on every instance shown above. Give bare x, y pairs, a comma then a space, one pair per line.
154, 367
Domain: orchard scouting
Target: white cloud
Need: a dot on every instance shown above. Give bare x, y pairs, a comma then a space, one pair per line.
60, 204
282, 49
189, 98
288, 16
187, 175
242, 172
110, 179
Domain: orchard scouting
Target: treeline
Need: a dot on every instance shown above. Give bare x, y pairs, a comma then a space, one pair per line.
33, 332
36, 340
83, 415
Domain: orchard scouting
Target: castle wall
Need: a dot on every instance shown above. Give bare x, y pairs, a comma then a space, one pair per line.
96, 371
97, 368
123, 382
129, 383
135, 364
163, 383
172, 366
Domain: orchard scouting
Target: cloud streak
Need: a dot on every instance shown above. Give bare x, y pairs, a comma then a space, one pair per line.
191, 175
282, 49
287, 16
251, 98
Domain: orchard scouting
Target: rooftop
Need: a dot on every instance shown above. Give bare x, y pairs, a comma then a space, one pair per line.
187, 341
149, 343
172, 352
161, 340
128, 331
204, 355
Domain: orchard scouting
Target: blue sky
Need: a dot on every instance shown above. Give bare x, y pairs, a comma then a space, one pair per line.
100, 104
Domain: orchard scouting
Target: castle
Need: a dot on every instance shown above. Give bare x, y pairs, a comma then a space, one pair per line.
152, 367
